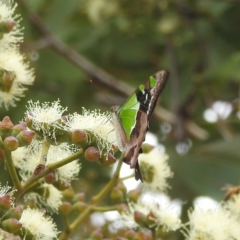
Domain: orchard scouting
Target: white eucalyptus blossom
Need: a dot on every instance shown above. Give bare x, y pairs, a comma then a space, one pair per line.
162, 216
20, 156
40, 226
50, 198
214, 224
10, 39
45, 116
22, 75
155, 170
233, 205
98, 124
27, 159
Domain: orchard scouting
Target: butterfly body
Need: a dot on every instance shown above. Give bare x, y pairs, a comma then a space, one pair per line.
131, 120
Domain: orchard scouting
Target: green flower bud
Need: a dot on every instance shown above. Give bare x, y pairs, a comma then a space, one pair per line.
65, 208
6, 80
29, 121
25, 137
147, 147
80, 206
92, 154
61, 185
79, 137
117, 195
11, 225
97, 235
122, 187
10, 143
61, 138
69, 193
134, 195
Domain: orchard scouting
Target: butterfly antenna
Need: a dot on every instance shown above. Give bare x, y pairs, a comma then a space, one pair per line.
100, 90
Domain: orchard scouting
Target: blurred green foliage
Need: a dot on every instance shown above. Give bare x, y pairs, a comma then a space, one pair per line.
197, 41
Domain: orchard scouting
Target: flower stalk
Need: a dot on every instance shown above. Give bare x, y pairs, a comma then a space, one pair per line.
49, 168
12, 169
95, 200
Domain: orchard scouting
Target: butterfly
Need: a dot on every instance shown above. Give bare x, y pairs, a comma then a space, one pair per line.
131, 119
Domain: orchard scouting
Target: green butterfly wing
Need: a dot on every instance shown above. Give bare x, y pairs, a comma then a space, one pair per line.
127, 114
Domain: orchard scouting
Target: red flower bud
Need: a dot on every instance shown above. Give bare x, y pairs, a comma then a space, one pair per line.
25, 137
107, 160
6, 123
92, 154
140, 218
18, 128
79, 136
50, 178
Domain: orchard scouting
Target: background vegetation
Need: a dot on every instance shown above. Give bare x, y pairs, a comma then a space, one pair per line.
119, 44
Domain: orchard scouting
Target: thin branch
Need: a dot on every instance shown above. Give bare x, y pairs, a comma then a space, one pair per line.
12, 169
49, 168
95, 200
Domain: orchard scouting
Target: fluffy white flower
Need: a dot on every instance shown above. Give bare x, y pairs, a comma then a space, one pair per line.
22, 75
50, 197
214, 224
233, 205
10, 39
27, 159
160, 216
98, 124
155, 170
41, 227
4, 190
19, 157
44, 116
